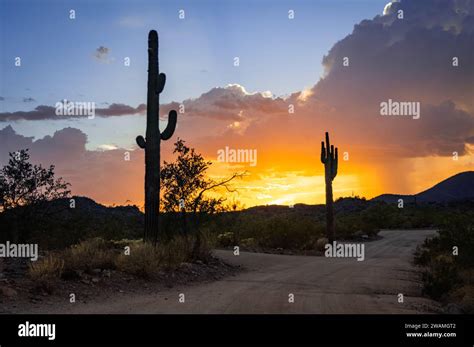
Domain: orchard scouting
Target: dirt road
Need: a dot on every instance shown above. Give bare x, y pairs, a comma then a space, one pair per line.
319, 285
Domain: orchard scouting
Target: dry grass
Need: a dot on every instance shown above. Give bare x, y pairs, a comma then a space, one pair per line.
90, 254
464, 295
143, 261
207, 244
46, 272
146, 260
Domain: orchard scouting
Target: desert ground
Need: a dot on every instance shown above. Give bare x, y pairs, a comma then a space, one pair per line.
319, 285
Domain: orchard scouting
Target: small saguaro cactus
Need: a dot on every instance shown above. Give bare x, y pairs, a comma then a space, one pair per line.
156, 83
329, 158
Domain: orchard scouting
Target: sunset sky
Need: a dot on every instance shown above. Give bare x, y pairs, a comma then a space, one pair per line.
283, 64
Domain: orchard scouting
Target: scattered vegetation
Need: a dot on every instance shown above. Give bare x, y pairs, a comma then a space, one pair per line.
46, 272
25, 193
146, 261
299, 228
90, 236
95, 255
90, 254
449, 262
255, 231
66, 226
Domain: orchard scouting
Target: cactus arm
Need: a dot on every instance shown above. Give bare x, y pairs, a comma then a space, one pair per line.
327, 138
334, 165
172, 119
141, 142
161, 83
328, 146
323, 153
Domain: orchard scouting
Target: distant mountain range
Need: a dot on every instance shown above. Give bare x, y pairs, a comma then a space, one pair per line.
455, 188
459, 187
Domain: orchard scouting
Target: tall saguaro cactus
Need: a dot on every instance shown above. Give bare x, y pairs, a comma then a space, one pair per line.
329, 158
156, 83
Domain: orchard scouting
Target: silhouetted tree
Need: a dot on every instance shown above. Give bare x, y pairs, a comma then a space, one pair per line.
24, 184
186, 187
156, 83
24, 188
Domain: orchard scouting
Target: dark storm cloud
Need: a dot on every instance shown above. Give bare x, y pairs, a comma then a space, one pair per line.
120, 110
39, 113
43, 112
409, 59
405, 58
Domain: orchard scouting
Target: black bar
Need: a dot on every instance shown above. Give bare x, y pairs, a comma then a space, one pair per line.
239, 329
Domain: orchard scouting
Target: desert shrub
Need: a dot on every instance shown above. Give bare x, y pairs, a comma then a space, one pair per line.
90, 254
248, 243
46, 271
143, 261
377, 216
208, 242
289, 232
347, 226
459, 232
464, 296
121, 244
176, 251
226, 239
427, 251
448, 276
441, 277
146, 260
286, 229
321, 243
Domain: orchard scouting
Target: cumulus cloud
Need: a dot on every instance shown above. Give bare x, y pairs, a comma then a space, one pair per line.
405, 58
409, 59
221, 103
228, 103
10, 141
388, 8
104, 170
224, 108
